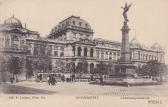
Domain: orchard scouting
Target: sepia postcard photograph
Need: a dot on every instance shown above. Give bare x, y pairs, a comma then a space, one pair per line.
83, 53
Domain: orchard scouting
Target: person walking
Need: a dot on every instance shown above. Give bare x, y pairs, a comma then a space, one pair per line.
11, 80
48, 80
101, 80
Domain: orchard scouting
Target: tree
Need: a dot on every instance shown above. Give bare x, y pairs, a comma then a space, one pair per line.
70, 67
102, 68
111, 68
15, 65
29, 68
42, 57
153, 69
60, 66
3, 68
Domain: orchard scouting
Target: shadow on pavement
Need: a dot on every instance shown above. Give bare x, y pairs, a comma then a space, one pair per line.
14, 89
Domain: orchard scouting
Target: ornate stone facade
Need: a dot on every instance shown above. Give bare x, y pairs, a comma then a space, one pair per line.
13, 39
72, 41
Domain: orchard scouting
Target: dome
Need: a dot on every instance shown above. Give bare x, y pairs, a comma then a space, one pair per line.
156, 46
135, 43
13, 22
73, 22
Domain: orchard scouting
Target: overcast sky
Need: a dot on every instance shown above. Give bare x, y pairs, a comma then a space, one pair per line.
148, 18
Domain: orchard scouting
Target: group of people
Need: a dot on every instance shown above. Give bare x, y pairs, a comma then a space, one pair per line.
12, 80
51, 80
68, 78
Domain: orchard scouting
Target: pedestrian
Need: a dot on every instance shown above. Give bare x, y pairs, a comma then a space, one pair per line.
53, 81
101, 80
62, 78
11, 79
73, 77
91, 77
48, 80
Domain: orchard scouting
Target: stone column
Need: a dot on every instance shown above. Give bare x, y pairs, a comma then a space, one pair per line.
71, 51
116, 56
89, 67
88, 52
76, 51
32, 49
112, 56
82, 51
125, 48
108, 55
59, 51
132, 55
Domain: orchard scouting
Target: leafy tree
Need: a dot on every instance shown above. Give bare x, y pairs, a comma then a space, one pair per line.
111, 68
3, 68
42, 61
102, 68
60, 66
15, 65
29, 68
70, 67
153, 69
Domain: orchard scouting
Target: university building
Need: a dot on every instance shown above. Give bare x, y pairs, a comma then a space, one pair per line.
71, 40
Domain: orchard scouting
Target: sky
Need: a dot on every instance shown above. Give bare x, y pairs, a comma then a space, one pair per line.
148, 18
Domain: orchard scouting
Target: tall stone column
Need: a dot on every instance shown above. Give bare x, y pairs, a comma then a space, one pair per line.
125, 48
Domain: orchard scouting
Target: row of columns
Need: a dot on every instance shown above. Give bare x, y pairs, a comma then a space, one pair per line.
146, 57
90, 51
106, 56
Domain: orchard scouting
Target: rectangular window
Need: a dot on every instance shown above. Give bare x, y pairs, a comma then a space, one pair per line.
15, 46
55, 53
62, 48
15, 38
62, 54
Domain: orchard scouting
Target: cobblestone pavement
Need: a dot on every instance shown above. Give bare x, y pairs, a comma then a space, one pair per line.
84, 88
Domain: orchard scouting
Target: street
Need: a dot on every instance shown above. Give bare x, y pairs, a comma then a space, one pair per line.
82, 88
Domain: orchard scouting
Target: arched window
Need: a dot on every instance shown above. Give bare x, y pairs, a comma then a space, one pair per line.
15, 46
79, 51
85, 51
91, 52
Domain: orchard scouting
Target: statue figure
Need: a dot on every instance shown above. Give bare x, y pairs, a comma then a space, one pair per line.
126, 8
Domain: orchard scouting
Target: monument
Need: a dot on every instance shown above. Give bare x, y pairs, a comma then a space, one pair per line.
125, 49
125, 67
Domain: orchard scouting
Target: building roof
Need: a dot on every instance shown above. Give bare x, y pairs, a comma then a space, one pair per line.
156, 46
100, 40
72, 22
135, 43
13, 22
14, 25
